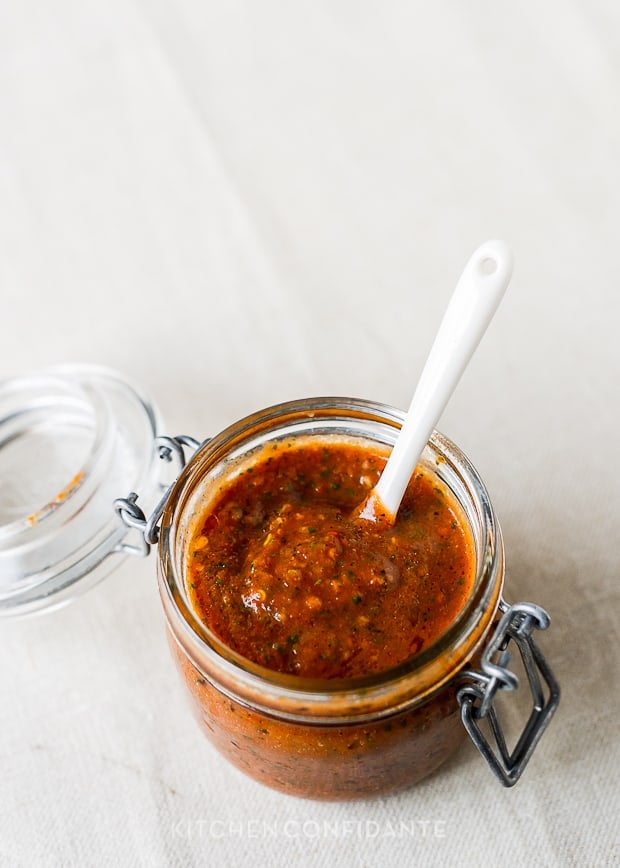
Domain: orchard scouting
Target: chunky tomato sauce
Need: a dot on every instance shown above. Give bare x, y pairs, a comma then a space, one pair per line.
284, 573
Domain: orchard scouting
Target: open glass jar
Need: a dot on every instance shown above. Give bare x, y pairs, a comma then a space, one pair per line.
332, 739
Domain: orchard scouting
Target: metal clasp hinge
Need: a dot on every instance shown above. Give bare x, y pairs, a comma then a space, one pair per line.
476, 696
168, 449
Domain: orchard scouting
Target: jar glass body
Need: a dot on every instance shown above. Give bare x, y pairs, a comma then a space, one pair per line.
330, 739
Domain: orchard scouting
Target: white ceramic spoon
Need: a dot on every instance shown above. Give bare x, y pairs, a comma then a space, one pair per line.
475, 300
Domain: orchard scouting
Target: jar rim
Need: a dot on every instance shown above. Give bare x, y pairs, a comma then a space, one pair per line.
417, 677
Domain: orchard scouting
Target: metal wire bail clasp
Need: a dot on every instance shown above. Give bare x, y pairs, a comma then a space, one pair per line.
476, 696
168, 449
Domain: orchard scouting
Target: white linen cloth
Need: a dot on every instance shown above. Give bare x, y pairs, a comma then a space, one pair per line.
239, 203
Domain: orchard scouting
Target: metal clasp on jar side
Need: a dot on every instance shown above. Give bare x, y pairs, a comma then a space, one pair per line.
477, 694
168, 449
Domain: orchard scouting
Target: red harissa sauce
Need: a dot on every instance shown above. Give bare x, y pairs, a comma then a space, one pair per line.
281, 570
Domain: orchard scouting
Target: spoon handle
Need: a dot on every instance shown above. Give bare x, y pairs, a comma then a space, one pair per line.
473, 303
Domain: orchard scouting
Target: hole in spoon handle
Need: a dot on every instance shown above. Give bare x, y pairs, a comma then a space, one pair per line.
492, 265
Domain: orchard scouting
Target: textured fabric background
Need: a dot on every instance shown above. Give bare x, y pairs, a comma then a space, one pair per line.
238, 203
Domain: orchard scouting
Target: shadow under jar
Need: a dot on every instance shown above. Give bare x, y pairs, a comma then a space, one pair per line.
358, 737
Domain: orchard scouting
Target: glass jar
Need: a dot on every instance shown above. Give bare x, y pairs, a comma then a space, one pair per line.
74, 437
354, 738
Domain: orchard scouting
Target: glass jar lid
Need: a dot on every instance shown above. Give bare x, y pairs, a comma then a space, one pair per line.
72, 438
